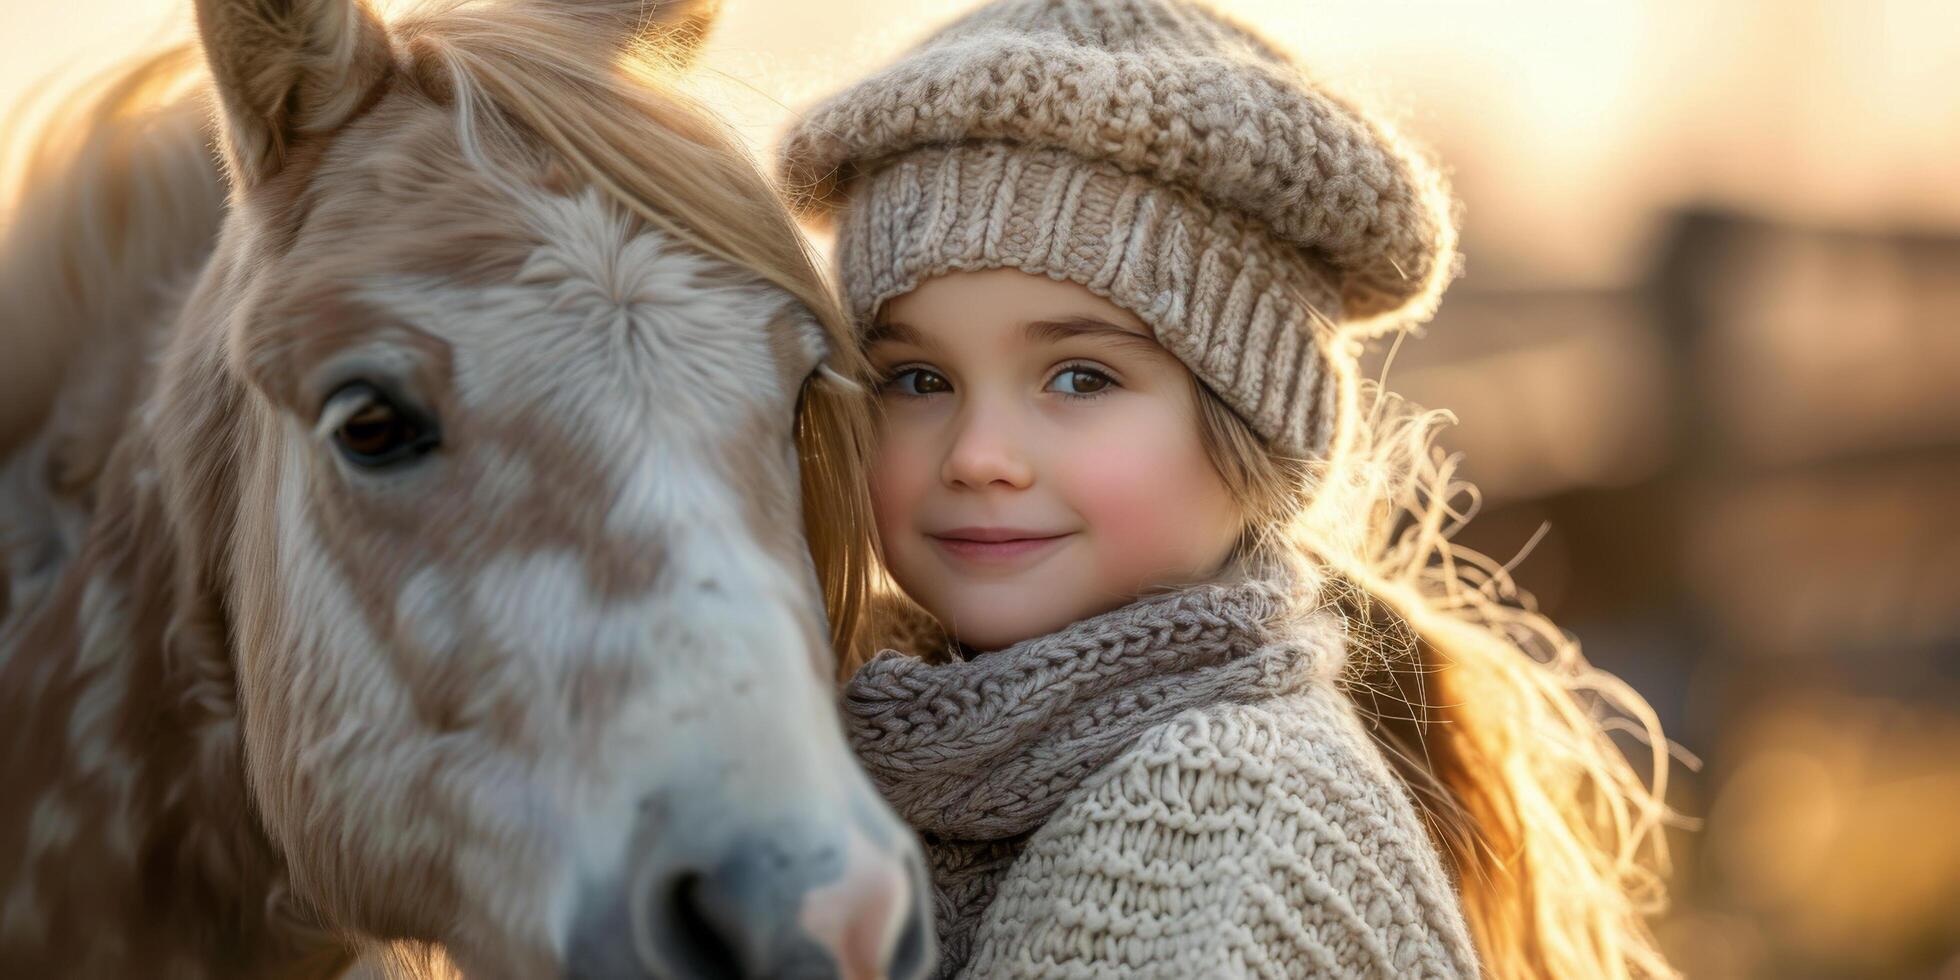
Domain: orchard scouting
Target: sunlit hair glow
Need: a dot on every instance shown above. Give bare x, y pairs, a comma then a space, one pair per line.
1488, 712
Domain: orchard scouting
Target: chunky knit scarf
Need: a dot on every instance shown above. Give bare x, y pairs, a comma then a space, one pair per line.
977, 754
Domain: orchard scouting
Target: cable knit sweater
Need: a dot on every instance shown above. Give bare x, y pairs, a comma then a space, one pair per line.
1174, 789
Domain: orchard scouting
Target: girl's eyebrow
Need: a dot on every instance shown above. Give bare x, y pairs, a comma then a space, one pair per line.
1055, 331
894, 331
1036, 331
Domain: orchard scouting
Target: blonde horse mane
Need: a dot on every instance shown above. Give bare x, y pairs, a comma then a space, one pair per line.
112, 207
120, 196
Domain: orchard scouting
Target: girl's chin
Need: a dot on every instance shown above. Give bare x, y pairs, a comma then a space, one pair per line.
1002, 620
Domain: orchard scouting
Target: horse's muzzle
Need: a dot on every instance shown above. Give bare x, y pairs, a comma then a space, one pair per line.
800, 898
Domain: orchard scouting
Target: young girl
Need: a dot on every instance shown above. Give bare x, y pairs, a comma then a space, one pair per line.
1170, 693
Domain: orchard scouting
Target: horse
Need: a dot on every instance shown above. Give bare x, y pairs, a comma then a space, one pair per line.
414, 520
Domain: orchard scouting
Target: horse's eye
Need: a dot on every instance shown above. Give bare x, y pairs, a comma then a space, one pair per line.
376, 431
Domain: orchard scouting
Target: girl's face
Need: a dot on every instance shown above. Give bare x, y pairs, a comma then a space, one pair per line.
1039, 459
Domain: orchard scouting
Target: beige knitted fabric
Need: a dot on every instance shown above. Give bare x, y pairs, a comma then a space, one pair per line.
1173, 789
1154, 152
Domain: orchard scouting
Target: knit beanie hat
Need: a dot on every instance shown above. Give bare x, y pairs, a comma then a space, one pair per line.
1154, 152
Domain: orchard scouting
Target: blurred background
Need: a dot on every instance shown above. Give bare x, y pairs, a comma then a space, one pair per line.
1707, 341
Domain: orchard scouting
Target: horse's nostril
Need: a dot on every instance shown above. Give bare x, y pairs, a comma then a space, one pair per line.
690, 931
783, 907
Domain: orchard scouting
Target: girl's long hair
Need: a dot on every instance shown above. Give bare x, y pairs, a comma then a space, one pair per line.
1496, 724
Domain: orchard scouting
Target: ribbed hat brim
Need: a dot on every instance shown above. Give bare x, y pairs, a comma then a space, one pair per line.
1247, 316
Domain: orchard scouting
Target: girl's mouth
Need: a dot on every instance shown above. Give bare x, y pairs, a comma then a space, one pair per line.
994, 547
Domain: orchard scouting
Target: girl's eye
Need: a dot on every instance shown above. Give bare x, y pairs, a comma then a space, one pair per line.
919, 381
1080, 381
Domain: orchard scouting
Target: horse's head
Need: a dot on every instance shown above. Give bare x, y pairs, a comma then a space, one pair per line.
486, 407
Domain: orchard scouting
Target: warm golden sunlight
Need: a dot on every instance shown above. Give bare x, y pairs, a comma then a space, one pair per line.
1703, 355
1568, 126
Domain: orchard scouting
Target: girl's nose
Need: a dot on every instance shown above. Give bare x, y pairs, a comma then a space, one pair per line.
986, 451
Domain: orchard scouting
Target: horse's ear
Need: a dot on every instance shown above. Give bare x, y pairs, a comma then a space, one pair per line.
675, 28
286, 68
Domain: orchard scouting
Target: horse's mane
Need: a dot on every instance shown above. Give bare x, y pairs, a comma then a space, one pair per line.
115, 203
117, 198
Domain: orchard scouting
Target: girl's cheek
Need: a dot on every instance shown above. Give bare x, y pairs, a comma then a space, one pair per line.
1154, 503
1113, 486
900, 473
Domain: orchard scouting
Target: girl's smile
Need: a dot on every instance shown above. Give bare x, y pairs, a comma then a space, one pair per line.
998, 547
